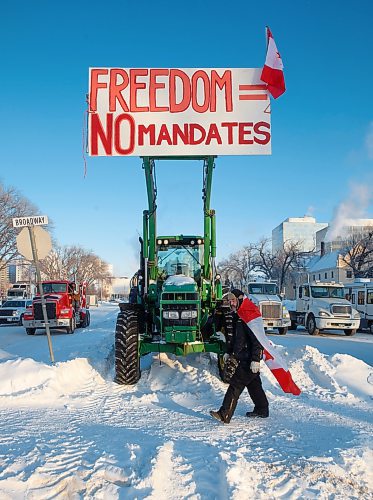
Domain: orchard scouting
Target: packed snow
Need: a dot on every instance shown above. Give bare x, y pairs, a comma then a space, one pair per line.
68, 431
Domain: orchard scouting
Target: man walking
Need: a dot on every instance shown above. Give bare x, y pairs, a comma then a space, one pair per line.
248, 352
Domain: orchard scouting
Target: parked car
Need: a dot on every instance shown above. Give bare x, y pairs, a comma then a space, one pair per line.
12, 311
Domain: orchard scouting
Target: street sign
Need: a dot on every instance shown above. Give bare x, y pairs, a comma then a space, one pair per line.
42, 240
35, 220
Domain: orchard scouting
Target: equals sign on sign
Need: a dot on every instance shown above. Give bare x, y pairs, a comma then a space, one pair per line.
252, 93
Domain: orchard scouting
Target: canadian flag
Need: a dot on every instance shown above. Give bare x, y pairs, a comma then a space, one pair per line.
250, 314
273, 70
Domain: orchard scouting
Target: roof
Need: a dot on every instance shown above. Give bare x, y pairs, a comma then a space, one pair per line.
327, 261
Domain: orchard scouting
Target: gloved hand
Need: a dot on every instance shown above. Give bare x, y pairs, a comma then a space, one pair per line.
225, 357
255, 366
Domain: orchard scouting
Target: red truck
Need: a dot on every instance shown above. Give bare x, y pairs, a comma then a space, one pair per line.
66, 304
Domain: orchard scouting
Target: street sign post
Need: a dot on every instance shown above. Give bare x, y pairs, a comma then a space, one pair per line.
34, 247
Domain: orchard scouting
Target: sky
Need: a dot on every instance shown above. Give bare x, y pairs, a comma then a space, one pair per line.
68, 431
322, 127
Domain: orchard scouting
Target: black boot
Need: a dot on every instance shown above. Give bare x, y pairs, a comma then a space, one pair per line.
218, 416
258, 413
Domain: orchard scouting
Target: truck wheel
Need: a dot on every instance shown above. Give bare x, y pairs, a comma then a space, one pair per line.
371, 328
71, 327
311, 325
127, 359
88, 316
86, 320
350, 332
283, 331
30, 331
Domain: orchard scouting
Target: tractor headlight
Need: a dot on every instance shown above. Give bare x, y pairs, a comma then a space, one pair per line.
188, 314
170, 314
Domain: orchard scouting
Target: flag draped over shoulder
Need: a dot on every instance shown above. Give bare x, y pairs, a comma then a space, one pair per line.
273, 70
250, 314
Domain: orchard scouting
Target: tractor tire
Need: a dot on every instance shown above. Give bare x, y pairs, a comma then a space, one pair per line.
71, 328
30, 331
283, 331
311, 325
127, 359
349, 332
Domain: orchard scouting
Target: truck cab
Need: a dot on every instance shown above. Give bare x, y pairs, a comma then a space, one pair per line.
360, 294
267, 297
321, 305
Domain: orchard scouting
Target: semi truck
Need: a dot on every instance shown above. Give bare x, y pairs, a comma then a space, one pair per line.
21, 290
268, 299
360, 294
175, 301
66, 307
321, 305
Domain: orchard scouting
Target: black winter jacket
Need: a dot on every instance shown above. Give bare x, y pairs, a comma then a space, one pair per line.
245, 346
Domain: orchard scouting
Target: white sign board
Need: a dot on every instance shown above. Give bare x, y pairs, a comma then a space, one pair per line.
178, 112
36, 220
43, 243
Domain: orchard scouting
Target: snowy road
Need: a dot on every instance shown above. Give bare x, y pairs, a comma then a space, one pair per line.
69, 432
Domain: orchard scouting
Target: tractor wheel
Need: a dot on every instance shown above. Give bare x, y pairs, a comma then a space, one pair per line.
30, 331
283, 331
311, 325
350, 332
127, 360
71, 328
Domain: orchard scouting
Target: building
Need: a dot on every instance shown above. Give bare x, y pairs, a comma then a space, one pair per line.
300, 230
334, 237
4, 282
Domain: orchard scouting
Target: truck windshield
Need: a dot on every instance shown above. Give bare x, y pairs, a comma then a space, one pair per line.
14, 303
16, 293
54, 287
319, 292
180, 259
263, 288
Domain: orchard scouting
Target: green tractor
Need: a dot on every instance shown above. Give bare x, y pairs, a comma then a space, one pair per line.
175, 303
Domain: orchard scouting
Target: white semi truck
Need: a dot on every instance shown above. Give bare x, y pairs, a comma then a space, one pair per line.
321, 305
266, 296
21, 290
360, 294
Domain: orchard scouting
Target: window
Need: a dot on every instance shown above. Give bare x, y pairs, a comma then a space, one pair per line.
348, 274
306, 291
332, 274
326, 275
319, 276
370, 297
360, 298
353, 298
314, 277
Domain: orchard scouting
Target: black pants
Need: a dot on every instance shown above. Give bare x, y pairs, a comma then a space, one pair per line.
244, 377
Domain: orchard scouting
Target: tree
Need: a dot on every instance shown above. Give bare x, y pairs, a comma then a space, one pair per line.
280, 264
12, 204
237, 269
357, 254
74, 263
